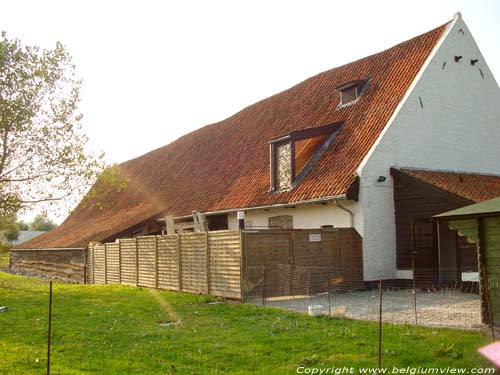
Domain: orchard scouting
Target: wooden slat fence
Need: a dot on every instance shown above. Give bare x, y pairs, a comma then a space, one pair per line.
301, 262
207, 263
234, 264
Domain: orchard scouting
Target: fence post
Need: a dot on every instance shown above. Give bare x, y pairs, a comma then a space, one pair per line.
49, 329
156, 261
119, 262
93, 264
264, 287
308, 283
242, 265
85, 260
207, 250
291, 261
414, 288
380, 325
105, 263
329, 291
179, 263
136, 263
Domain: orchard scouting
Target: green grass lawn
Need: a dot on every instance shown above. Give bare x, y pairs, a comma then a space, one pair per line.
115, 329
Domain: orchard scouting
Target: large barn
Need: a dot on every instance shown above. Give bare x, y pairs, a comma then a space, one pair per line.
380, 145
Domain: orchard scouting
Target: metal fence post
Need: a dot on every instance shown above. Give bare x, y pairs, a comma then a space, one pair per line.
329, 292
414, 289
380, 325
49, 329
264, 287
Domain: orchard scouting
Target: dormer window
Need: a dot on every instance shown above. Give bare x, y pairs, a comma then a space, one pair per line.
283, 165
351, 92
294, 155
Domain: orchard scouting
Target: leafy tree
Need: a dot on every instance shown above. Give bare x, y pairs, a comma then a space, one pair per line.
22, 225
43, 156
11, 234
9, 228
42, 222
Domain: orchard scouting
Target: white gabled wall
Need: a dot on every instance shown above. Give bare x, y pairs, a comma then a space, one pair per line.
305, 216
449, 121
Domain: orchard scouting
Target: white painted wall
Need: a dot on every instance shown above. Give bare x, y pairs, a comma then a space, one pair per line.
305, 216
458, 129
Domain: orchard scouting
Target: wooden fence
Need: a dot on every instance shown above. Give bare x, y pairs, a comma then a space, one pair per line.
67, 265
301, 262
207, 263
234, 264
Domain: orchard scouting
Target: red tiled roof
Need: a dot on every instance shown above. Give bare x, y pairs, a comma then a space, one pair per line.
226, 165
471, 186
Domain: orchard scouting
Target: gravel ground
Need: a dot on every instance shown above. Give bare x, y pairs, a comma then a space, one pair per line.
442, 308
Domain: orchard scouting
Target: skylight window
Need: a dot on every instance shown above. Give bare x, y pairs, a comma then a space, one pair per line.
351, 92
294, 155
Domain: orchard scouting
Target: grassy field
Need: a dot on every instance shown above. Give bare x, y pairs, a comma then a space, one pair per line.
115, 329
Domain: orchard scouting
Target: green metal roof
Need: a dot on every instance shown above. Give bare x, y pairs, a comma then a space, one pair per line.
486, 208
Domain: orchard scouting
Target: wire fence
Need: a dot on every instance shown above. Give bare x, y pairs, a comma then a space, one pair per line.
429, 298
94, 330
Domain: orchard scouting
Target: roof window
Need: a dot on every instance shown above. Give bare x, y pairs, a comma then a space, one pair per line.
294, 155
351, 92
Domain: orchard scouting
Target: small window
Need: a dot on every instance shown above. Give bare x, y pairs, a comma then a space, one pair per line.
348, 95
283, 166
294, 155
351, 92
281, 222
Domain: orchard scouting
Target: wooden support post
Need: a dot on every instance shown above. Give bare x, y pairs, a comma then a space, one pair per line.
207, 250
242, 265
179, 262
85, 260
339, 252
105, 264
488, 301
156, 261
485, 316
136, 263
291, 261
93, 266
119, 262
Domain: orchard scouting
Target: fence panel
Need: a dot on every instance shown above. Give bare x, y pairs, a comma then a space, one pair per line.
266, 250
99, 264
128, 253
146, 263
225, 264
168, 262
112, 263
301, 262
90, 265
208, 263
194, 262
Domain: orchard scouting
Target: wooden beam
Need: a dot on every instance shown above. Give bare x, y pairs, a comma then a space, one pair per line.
207, 251
136, 263
156, 261
105, 264
179, 262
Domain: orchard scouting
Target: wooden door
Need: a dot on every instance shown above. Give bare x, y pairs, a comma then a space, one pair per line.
425, 252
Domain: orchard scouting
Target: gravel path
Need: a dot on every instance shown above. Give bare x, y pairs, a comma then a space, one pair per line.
443, 308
